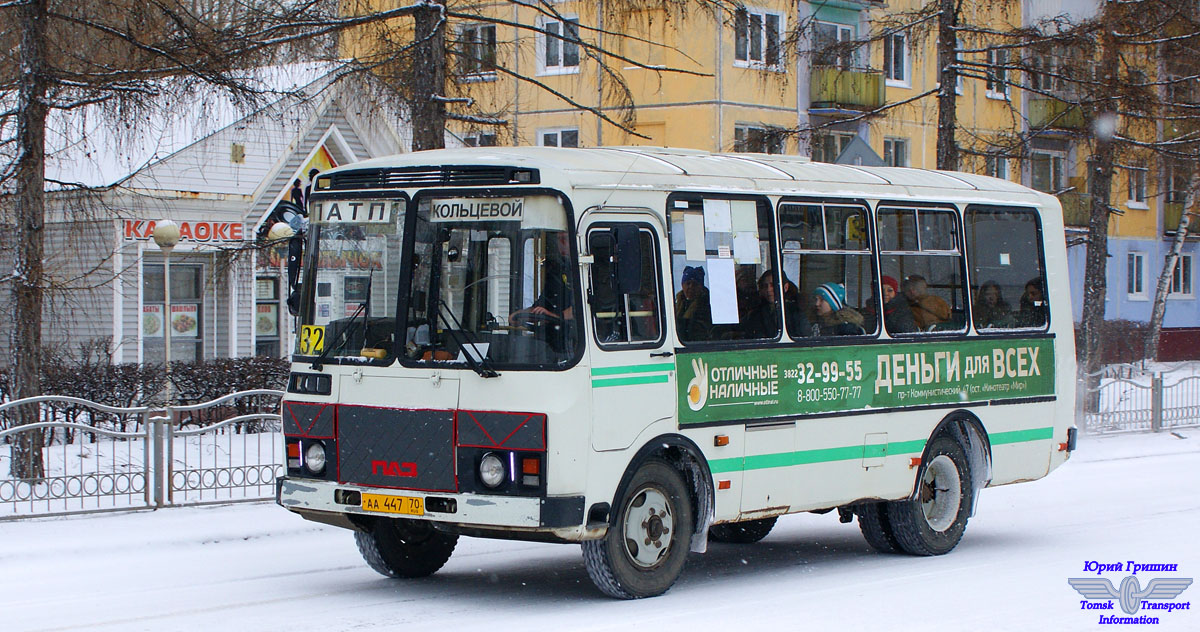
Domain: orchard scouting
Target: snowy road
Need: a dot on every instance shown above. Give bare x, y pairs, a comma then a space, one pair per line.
258, 567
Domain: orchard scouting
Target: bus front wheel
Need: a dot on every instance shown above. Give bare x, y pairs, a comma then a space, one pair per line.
933, 521
396, 547
647, 542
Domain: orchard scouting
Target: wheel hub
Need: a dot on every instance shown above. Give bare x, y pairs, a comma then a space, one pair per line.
940, 493
648, 525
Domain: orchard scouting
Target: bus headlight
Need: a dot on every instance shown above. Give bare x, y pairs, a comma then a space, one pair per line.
491, 470
314, 457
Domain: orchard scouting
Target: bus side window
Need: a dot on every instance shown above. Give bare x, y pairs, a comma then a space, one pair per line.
1004, 248
827, 257
632, 318
723, 269
919, 250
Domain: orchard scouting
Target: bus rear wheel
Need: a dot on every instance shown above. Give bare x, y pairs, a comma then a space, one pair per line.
396, 547
933, 521
747, 532
877, 527
648, 538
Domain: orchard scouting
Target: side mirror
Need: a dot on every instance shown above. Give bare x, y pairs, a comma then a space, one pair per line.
628, 268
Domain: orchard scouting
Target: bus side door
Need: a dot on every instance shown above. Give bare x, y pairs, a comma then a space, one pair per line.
632, 373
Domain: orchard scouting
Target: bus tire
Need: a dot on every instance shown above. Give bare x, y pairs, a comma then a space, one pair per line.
933, 521
396, 547
647, 542
876, 527
747, 532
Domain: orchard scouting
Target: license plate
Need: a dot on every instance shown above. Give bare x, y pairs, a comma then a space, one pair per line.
381, 503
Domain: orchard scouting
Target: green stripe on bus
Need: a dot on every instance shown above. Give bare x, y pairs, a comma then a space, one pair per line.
1020, 436
626, 381
848, 453
636, 368
808, 457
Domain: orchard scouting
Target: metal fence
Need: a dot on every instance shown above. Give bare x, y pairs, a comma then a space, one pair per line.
95, 457
1139, 398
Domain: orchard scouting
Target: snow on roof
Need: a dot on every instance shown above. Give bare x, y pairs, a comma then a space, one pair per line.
98, 146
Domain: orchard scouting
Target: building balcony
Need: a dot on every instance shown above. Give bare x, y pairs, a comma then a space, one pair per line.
1172, 211
1187, 129
1054, 114
1076, 208
846, 89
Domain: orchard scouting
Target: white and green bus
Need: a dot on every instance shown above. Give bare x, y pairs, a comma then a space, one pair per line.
640, 349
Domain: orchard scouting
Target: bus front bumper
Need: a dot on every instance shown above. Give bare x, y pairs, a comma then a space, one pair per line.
307, 496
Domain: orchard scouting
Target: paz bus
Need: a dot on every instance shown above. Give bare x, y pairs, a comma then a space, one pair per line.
641, 349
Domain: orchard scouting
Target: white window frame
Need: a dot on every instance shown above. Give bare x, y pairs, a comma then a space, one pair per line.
762, 38
842, 139
997, 77
1136, 181
473, 140
842, 33
897, 159
557, 132
472, 40
996, 166
546, 24
1183, 285
1054, 157
1135, 284
902, 78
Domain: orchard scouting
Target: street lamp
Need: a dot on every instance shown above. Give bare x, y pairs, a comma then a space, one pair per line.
166, 235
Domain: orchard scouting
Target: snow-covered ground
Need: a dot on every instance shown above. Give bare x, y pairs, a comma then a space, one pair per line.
258, 567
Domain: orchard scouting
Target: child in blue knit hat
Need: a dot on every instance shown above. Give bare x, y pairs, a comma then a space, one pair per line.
834, 318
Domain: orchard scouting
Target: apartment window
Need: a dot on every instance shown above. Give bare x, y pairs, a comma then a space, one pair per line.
1135, 274
480, 140
831, 45
558, 45
1137, 186
478, 46
997, 74
1175, 191
996, 166
827, 146
895, 152
568, 137
895, 58
761, 140
1181, 278
1048, 171
757, 37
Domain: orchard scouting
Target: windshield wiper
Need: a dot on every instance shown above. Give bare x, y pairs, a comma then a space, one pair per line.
364, 308
482, 370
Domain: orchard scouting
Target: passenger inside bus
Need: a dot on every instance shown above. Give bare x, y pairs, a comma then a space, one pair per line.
897, 315
990, 309
552, 315
928, 310
1033, 305
693, 312
834, 317
763, 319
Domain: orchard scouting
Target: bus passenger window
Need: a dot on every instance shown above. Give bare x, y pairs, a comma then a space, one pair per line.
827, 260
919, 253
722, 265
623, 319
1004, 247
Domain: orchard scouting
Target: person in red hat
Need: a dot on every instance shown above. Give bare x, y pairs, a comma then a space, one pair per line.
897, 315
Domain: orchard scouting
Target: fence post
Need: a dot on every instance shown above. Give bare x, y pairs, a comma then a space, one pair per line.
1081, 393
1156, 403
169, 467
157, 421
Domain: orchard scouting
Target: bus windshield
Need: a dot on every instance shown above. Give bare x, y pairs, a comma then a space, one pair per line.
353, 261
493, 284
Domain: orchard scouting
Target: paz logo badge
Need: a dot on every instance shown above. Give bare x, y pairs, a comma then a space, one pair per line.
697, 389
1159, 593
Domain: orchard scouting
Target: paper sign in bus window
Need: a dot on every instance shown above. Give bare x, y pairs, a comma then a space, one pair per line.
716, 216
745, 248
722, 291
693, 235
744, 216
